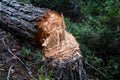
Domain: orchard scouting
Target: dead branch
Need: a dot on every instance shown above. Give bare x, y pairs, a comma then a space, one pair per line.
8, 76
2, 32
98, 71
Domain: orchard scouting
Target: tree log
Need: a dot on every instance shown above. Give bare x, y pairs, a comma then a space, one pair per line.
20, 19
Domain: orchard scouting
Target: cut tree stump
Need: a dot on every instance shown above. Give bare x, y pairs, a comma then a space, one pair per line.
71, 69
20, 19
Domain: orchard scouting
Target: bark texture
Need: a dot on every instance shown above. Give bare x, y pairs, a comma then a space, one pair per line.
19, 18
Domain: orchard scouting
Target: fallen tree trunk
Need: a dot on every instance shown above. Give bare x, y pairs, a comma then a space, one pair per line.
20, 19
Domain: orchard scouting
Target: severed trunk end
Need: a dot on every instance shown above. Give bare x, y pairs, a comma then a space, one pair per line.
60, 48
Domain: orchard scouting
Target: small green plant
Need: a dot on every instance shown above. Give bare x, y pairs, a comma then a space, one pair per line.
26, 51
35, 54
42, 76
37, 59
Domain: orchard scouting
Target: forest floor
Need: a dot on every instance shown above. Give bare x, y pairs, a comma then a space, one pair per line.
12, 64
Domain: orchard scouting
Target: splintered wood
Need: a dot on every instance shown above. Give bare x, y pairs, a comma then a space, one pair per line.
57, 43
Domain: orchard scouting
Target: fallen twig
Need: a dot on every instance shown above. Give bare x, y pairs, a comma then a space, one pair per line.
2, 32
8, 76
9, 50
95, 69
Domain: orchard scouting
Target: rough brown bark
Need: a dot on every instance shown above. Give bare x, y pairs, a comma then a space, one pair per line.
20, 19
67, 70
